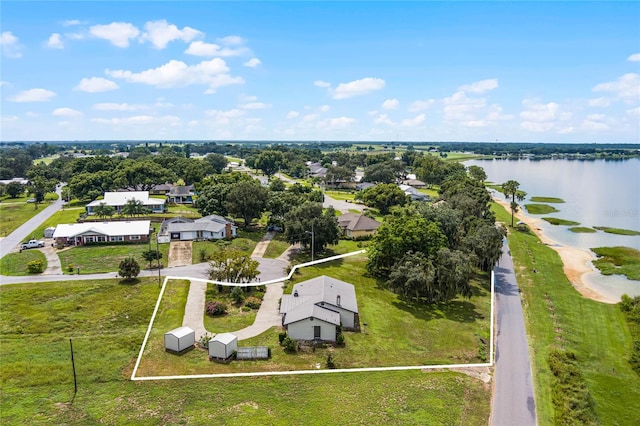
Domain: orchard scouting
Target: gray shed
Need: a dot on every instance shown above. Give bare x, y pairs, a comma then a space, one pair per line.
223, 345
48, 232
180, 339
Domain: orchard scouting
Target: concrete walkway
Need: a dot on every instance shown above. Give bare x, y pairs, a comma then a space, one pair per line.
194, 310
54, 266
262, 245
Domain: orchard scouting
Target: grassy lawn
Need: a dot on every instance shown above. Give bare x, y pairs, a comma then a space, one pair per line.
12, 216
246, 241
540, 208
105, 258
582, 229
547, 200
618, 260
68, 215
558, 317
558, 221
277, 246
107, 321
235, 318
340, 195
431, 192
617, 231
184, 210
16, 263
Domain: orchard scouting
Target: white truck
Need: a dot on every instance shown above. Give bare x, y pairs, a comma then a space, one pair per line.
32, 244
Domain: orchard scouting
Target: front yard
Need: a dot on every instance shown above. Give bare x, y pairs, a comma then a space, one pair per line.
105, 258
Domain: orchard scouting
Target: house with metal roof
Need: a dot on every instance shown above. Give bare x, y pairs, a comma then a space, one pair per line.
317, 307
79, 234
356, 225
414, 193
212, 227
118, 200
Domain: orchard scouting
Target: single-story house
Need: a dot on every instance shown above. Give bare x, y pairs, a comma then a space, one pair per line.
211, 227
416, 183
79, 234
361, 186
223, 345
316, 170
414, 193
179, 339
180, 194
317, 307
160, 189
117, 200
356, 225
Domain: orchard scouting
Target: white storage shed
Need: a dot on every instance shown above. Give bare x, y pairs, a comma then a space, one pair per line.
180, 339
223, 345
48, 232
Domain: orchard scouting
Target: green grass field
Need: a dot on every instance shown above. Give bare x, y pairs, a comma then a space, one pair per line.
246, 241
12, 216
15, 264
68, 215
618, 260
107, 321
617, 231
105, 258
558, 221
558, 317
340, 195
547, 200
540, 208
582, 229
277, 246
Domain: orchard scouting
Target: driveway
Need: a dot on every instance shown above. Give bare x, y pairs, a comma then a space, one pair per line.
513, 402
341, 205
53, 261
180, 253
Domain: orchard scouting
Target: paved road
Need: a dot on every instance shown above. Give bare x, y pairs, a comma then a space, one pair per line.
513, 402
24, 232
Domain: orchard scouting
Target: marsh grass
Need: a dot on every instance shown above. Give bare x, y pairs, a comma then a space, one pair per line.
582, 229
617, 231
558, 221
547, 200
618, 260
540, 208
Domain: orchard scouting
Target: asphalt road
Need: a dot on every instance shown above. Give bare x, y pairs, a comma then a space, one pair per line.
24, 232
513, 402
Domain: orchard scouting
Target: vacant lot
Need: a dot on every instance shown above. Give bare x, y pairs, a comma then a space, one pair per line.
12, 216
107, 321
106, 258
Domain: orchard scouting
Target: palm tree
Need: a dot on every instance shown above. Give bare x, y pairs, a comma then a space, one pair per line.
103, 210
510, 189
133, 207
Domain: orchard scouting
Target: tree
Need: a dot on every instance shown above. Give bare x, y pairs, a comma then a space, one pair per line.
103, 210
247, 199
151, 255
477, 173
269, 162
141, 175
134, 207
412, 276
214, 190
485, 242
309, 218
217, 161
129, 268
276, 185
339, 174
40, 186
452, 275
233, 266
510, 189
381, 172
384, 196
15, 189
91, 185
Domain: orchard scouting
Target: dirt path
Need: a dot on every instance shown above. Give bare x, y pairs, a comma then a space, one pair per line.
180, 253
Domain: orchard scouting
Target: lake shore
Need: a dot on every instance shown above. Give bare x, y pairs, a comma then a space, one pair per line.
577, 262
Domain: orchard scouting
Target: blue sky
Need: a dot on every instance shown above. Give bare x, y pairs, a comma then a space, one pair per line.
415, 71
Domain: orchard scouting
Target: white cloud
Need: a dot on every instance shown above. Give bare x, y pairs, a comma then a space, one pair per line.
252, 63
625, 87
415, 121
66, 112
33, 95
383, 119
480, 86
390, 104
595, 117
140, 120
193, 123
459, 107
566, 130
10, 118
110, 106
70, 23
55, 41
96, 85
495, 114
336, 123
224, 117
358, 87
540, 117
310, 117
634, 58
232, 40
634, 111
292, 114
10, 46
118, 33
213, 73
32, 114
417, 106
255, 105
200, 48
160, 33
325, 108
594, 125
599, 102
4, 83
321, 83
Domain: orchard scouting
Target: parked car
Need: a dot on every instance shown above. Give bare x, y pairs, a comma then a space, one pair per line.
32, 244
31, 200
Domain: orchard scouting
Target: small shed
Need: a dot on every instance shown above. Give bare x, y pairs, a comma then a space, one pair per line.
48, 232
223, 345
179, 340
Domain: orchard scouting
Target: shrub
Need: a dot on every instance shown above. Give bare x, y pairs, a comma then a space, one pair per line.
35, 266
214, 308
129, 268
340, 339
246, 309
281, 337
70, 268
203, 255
204, 340
289, 344
330, 362
237, 294
259, 295
252, 302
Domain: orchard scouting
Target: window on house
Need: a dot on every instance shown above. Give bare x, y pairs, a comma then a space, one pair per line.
134, 237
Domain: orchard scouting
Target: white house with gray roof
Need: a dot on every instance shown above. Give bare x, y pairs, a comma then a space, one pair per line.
316, 307
118, 200
211, 227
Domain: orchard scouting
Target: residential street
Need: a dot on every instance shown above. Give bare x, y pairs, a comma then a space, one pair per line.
513, 402
24, 232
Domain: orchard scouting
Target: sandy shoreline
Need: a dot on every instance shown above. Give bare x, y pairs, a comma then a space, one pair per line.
577, 262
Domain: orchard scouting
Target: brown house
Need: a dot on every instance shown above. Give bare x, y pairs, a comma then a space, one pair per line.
357, 225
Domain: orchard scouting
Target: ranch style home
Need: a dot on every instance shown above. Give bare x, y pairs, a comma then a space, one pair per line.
211, 227
117, 200
356, 225
79, 234
317, 307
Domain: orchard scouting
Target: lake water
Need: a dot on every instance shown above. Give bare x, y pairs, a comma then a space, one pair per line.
596, 193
